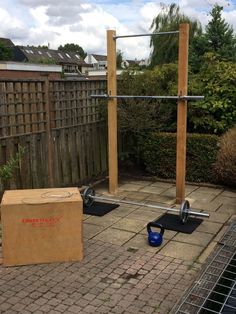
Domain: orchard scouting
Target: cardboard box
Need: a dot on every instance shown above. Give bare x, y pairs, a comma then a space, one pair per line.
41, 226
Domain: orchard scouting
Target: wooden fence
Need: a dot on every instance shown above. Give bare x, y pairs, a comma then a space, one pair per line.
60, 128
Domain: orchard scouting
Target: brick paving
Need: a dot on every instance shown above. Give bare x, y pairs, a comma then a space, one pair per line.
110, 279
120, 273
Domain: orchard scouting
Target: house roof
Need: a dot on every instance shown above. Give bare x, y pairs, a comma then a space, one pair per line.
6, 42
36, 54
100, 57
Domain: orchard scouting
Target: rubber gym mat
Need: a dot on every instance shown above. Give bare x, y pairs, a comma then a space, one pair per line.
99, 209
172, 222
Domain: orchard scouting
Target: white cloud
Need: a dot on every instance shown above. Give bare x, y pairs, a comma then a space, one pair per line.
230, 17
38, 22
12, 27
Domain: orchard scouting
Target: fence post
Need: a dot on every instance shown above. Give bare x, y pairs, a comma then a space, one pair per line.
182, 112
112, 112
49, 133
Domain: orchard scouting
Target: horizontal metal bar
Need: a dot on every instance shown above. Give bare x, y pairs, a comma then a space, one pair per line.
148, 97
145, 35
193, 213
216, 292
112, 200
147, 205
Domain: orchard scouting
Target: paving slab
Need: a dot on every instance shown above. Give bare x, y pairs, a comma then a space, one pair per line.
209, 227
105, 221
219, 217
140, 241
90, 230
205, 254
139, 182
157, 198
210, 190
171, 192
225, 200
229, 193
185, 251
130, 187
153, 189
122, 210
198, 238
145, 214
165, 185
220, 234
206, 206
229, 209
137, 196
128, 224
114, 236
190, 188
168, 234
85, 216
204, 197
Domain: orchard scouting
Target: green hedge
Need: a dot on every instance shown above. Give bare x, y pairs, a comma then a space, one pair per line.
158, 153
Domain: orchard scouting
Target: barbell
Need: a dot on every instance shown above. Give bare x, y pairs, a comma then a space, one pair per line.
89, 196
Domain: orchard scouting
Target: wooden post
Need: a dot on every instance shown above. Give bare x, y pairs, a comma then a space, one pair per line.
182, 112
48, 134
112, 112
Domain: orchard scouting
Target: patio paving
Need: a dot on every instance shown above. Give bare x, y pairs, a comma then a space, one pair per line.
120, 272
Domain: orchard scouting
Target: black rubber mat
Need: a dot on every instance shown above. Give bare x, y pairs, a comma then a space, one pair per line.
173, 222
99, 209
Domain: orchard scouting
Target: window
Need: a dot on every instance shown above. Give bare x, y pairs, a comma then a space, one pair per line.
39, 52
78, 57
49, 54
68, 55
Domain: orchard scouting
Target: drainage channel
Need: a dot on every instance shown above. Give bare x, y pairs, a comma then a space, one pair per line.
215, 290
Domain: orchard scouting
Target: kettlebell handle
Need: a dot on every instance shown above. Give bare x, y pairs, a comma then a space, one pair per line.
156, 225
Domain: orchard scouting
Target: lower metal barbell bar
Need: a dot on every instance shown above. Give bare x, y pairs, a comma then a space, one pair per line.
89, 196
148, 97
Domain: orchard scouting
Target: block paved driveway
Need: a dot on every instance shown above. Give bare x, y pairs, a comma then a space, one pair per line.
120, 273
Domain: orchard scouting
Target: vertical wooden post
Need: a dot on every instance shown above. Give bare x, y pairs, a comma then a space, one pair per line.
112, 112
48, 134
182, 112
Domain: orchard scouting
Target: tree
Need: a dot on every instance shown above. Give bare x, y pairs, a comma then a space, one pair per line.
220, 36
165, 48
219, 39
5, 53
74, 48
119, 59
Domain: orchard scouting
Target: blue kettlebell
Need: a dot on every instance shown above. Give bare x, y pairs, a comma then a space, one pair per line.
155, 238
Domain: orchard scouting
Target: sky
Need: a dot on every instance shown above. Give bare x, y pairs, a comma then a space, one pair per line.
57, 22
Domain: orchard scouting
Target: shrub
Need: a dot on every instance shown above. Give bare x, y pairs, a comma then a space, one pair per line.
225, 166
7, 170
216, 81
158, 152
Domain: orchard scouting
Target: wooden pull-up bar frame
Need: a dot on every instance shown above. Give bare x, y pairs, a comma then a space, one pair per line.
181, 115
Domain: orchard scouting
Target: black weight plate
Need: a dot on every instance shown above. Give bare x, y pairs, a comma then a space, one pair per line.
183, 213
87, 196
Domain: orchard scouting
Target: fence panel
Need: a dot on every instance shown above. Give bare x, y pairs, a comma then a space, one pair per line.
60, 128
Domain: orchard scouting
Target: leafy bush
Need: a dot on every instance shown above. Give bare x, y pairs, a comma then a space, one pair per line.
7, 170
216, 81
137, 115
158, 151
225, 165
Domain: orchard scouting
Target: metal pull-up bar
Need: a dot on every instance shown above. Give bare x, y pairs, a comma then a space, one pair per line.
148, 34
